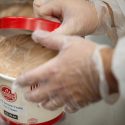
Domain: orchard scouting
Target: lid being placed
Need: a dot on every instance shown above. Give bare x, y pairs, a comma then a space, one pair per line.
25, 23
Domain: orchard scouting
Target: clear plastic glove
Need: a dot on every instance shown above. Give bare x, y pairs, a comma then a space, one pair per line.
78, 17
70, 79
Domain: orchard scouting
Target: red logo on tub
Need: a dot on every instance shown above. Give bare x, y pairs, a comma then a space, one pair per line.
7, 94
32, 121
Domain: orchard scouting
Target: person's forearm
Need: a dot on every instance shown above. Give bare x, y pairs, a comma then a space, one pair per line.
107, 54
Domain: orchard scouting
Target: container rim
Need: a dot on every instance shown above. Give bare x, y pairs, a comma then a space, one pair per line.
27, 23
7, 77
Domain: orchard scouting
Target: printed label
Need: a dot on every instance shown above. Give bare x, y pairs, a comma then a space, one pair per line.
16, 109
10, 107
7, 94
10, 115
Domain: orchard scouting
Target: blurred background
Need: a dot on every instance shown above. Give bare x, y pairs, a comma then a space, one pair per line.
16, 8
97, 114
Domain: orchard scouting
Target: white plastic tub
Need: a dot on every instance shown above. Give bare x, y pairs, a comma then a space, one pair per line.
17, 111
14, 109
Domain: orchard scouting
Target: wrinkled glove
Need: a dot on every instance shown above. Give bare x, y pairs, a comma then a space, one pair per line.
79, 17
70, 79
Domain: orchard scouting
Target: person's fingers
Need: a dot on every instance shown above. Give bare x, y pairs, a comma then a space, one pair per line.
39, 75
57, 98
72, 106
75, 102
69, 26
72, 103
47, 10
49, 91
49, 40
40, 2
70, 109
43, 11
37, 95
53, 104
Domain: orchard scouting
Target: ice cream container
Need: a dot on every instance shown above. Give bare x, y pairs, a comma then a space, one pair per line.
17, 111
14, 109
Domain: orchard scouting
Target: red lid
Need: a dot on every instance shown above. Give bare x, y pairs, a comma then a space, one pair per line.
25, 23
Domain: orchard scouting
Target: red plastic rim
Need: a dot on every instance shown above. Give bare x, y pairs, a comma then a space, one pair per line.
25, 23
51, 122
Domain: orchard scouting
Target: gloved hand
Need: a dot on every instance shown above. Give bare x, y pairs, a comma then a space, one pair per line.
78, 17
70, 79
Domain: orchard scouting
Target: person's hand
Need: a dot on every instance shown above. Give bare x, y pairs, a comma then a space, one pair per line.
78, 17
70, 79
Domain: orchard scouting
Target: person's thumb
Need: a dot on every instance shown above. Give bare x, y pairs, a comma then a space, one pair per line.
70, 26
49, 40
43, 11
67, 28
41, 7
47, 10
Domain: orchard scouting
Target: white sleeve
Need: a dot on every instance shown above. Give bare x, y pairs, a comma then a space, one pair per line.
118, 8
118, 65
115, 25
